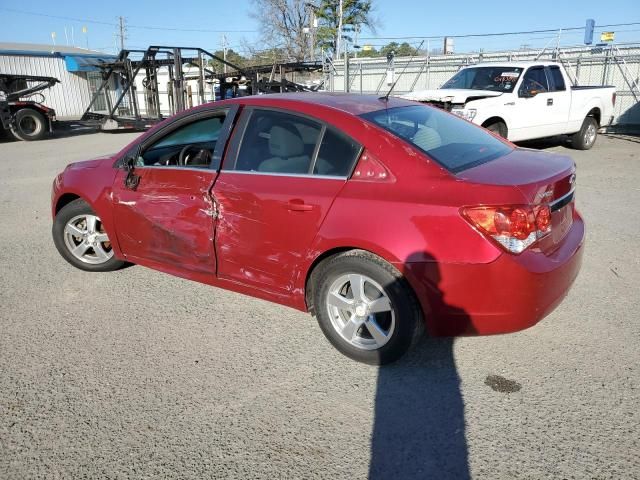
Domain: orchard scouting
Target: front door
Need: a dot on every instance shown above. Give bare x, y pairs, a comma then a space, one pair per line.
167, 219
532, 107
277, 184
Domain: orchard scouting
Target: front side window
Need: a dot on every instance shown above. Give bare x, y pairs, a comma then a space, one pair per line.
534, 81
498, 79
283, 143
191, 145
454, 143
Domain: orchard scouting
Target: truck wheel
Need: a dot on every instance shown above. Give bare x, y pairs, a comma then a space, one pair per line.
498, 127
586, 137
29, 125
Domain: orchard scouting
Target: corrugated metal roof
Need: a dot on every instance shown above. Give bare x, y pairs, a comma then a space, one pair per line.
41, 49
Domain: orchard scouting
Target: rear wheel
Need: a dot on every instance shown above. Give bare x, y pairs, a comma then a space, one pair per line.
586, 137
81, 239
29, 125
365, 307
498, 128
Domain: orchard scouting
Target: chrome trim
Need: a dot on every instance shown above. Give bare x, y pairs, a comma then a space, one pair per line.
562, 201
204, 168
295, 175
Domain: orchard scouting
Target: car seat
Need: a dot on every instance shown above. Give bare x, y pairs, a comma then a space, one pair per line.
287, 149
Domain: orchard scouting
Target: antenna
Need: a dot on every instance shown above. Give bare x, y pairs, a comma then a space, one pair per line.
386, 97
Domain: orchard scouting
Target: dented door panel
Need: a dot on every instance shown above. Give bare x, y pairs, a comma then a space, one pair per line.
266, 224
168, 218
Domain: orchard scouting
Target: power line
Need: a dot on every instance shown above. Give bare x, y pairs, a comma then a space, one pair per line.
141, 27
81, 20
201, 30
470, 35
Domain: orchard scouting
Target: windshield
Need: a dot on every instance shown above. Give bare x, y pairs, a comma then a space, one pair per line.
454, 143
497, 79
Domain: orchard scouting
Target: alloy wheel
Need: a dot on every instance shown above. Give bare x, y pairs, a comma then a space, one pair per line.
86, 239
360, 311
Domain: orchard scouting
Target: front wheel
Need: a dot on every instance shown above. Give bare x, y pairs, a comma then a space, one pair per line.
499, 128
365, 308
586, 137
80, 238
29, 125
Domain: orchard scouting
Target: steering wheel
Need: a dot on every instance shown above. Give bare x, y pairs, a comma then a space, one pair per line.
181, 155
203, 155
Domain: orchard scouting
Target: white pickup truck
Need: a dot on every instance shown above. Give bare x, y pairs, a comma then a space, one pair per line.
525, 100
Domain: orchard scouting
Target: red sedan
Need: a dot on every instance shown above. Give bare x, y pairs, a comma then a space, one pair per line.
377, 216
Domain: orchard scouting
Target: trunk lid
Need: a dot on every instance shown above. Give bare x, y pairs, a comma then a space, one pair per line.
542, 178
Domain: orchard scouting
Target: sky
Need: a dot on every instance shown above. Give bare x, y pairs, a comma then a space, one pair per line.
204, 23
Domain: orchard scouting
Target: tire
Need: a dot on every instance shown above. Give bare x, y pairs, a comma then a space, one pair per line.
499, 128
77, 228
586, 137
342, 317
29, 125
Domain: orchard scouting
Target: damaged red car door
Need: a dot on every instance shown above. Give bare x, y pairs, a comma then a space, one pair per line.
162, 206
279, 179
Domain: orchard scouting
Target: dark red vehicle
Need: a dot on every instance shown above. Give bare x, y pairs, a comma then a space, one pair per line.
377, 216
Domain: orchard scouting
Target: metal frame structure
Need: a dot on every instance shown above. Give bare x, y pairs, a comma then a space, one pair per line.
119, 90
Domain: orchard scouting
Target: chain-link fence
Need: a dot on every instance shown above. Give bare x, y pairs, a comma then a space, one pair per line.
617, 65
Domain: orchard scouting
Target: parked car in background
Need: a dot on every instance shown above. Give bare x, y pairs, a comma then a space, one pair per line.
379, 216
524, 101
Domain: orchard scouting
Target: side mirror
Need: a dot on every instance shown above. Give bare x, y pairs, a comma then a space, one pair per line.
528, 93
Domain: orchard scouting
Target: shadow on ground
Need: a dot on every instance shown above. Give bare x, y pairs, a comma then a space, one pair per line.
419, 426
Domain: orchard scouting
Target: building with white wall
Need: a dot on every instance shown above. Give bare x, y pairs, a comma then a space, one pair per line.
76, 68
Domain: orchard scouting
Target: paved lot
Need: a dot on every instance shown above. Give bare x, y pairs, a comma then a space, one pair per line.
136, 374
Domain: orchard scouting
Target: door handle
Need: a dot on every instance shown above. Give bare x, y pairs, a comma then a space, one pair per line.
549, 102
299, 206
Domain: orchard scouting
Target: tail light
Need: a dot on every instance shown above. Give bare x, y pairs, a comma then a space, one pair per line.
513, 227
613, 98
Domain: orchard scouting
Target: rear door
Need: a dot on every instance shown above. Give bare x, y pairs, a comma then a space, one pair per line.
165, 217
278, 181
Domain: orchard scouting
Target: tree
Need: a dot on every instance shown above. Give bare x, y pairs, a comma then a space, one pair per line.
284, 25
355, 13
400, 49
232, 57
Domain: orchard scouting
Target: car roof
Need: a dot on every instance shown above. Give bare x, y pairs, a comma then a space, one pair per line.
351, 103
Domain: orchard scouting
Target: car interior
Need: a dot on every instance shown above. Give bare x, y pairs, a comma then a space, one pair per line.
189, 146
280, 143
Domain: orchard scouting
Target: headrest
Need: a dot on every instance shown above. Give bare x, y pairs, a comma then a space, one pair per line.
284, 143
427, 138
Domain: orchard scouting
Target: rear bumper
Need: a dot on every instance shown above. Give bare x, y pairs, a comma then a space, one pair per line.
509, 294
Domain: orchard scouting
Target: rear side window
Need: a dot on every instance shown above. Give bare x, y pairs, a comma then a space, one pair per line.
557, 80
535, 80
282, 143
337, 155
454, 143
277, 142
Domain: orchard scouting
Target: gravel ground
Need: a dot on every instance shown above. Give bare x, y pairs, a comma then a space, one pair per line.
136, 374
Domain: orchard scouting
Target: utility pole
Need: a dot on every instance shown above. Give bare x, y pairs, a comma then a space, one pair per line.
122, 29
224, 52
339, 39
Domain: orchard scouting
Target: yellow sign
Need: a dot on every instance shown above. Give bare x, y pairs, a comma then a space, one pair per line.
367, 48
607, 36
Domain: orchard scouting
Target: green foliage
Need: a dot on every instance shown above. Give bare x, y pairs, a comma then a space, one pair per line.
355, 14
232, 57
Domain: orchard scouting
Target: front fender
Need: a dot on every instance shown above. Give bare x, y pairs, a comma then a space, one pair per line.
94, 186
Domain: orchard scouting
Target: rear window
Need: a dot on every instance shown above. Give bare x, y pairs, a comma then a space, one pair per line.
454, 143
